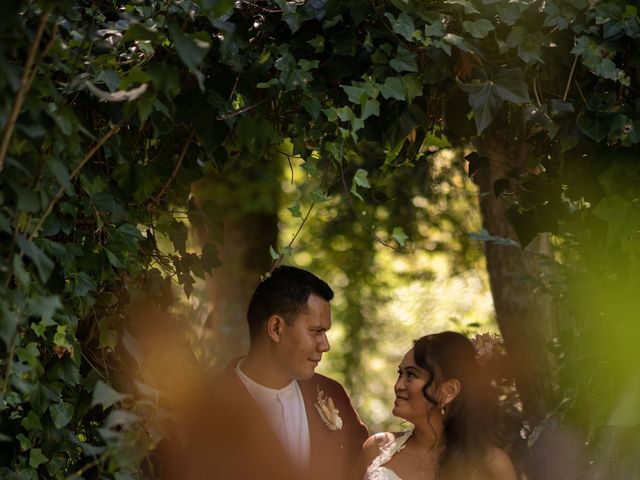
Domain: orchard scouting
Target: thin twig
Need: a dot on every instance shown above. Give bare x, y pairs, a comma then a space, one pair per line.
535, 92
176, 167
88, 466
264, 9
9, 362
22, 90
355, 213
582, 96
242, 110
73, 174
573, 68
276, 262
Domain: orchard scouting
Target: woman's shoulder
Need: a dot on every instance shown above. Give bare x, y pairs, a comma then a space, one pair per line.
372, 446
500, 465
379, 440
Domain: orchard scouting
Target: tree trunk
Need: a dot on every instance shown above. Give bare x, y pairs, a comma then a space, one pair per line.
524, 316
245, 258
239, 216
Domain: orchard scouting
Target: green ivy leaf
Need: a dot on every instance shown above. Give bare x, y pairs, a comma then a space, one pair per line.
137, 31
29, 354
399, 236
370, 108
466, 4
210, 258
484, 103
9, 324
361, 178
393, 88
509, 13
624, 130
404, 61
510, 86
190, 50
44, 307
36, 458
355, 94
31, 423
295, 210
217, 8
114, 259
458, 42
61, 173
27, 199
43, 264
106, 396
412, 86
108, 336
593, 126
66, 370
403, 25
312, 106
318, 196
25, 443
61, 414
83, 284
618, 213
478, 28
317, 43
60, 337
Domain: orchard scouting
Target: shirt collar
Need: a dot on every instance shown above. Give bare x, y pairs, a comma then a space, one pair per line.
256, 388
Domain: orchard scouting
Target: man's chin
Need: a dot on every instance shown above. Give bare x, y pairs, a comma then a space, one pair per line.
307, 374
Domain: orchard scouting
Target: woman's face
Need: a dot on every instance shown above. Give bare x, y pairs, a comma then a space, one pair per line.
410, 403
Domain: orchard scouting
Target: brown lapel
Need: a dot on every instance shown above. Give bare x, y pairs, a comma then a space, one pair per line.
327, 446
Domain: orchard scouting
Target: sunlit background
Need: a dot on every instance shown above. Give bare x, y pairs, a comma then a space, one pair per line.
386, 294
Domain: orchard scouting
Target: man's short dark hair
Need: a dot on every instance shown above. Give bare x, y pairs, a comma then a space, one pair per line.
284, 292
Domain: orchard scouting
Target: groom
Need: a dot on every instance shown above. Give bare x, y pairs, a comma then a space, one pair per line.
270, 416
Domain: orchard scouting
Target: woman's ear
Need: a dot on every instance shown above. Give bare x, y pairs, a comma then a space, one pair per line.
449, 390
274, 327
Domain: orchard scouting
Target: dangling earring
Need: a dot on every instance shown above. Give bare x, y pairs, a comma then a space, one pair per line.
443, 409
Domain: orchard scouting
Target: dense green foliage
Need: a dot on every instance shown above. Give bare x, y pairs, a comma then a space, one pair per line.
111, 110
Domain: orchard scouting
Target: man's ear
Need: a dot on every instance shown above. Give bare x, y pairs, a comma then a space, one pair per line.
275, 324
449, 390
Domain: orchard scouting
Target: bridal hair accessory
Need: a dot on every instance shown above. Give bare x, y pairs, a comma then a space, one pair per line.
489, 348
328, 412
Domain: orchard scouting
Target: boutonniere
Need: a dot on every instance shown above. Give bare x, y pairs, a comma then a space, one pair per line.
328, 411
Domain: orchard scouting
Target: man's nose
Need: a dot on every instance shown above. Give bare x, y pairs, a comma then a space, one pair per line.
323, 344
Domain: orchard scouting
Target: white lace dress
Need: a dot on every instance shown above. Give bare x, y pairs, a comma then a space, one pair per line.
377, 470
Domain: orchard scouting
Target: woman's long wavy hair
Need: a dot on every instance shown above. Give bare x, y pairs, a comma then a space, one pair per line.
469, 421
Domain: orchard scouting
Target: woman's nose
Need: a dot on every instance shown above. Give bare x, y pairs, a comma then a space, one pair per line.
399, 385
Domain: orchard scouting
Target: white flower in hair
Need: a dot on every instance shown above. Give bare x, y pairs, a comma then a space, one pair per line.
489, 347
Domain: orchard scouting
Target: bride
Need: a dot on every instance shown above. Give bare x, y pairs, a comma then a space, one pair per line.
442, 392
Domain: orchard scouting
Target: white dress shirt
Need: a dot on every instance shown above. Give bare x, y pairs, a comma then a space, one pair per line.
285, 412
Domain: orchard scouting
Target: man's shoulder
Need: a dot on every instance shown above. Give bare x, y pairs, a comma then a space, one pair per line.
325, 382
222, 385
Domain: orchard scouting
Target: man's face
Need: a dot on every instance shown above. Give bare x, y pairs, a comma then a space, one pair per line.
304, 341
